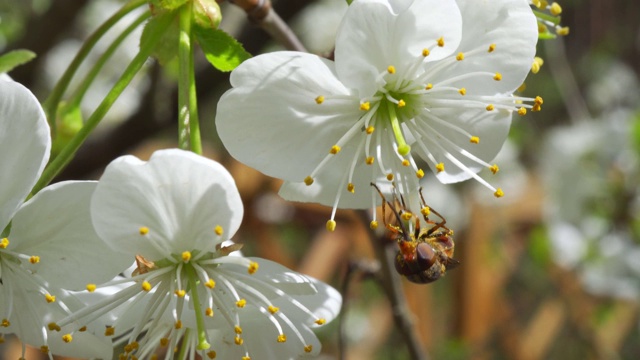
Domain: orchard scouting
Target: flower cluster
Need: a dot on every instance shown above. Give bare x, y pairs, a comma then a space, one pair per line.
414, 84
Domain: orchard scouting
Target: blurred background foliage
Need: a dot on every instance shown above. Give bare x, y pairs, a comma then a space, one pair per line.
550, 271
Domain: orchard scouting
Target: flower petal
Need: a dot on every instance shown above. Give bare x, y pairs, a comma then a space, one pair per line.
178, 196
24, 143
270, 119
512, 27
56, 226
377, 33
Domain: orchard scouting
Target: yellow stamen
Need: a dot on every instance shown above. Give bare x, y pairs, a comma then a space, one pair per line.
420, 173
497, 77
44, 349
369, 160
241, 303
253, 267
441, 41
218, 230
563, 31
308, 180
425, 52
180, 293
405, 162
331, 225
109, 331
522, 111
319, 99
67, 338
238, 340
492, 48
4, 243
143, 230
425, 211
429, 86
237, 329
282, 338
370, 129
52, 326
555, 9
365, 106
91, 287
474, 140
178, 325
440, 167
462, 91
210, 284
208, 312
34, 259
401, 103
5, 323
320, 321
490, 107
273, 309
308, 348
390, 177
522, 87
373, 225
494, 168
212, 354
391, 69
499, 193
50, 298
164, 342
406, 216
146, 286
186, 256
351, 188
460, 56
334, 149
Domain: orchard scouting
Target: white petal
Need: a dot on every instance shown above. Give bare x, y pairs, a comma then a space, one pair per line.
24, 146
512, 27
377, 33
179, 196
56, 226
270, 119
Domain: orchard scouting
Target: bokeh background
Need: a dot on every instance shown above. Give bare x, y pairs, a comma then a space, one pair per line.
550, 271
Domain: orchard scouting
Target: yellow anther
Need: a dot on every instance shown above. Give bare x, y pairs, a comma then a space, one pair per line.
210, 284
319, 99
146, 286
334, 149
429, 86
331, 225
5, 323
164, 341
535, 67
492, 48
44, 349
51, 326
91, 287
109, 331
241, 303
536, 107
522, 111
538, 100
425, 52
282, 338
186, 256
218, 230
238, 340
273, 309
391, 69
320, 321
246, 358
542, 28
83, 329
490, 107
211, 354
237, 329
369, 160
143, 230
555, 9
373, 225
425, 211
308, 348
499, 193
351, 188
4, 243
441, 41
253, 267
370, 129
390, 177
462, 91
406, 216
420, 173
536, 3
563, 31
494, 168
405, 162
208, 312
308, 180
460, 56
401, 103
474, 140
34, 259
67, 338
178, 325
522, 87
365, 106
497, 77
50, 298
180, 293
440, 167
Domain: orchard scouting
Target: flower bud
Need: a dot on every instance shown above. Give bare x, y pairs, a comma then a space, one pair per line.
206, 13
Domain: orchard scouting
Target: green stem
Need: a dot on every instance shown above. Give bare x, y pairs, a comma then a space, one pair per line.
184, 55
203, 344
194, 124
547, 17
68, 151
88, 79
51, 103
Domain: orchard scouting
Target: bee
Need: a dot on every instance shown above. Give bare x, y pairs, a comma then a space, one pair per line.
424, 255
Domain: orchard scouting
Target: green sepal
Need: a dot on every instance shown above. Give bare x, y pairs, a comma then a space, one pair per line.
15, 58
166, 4
167, 48
223, 51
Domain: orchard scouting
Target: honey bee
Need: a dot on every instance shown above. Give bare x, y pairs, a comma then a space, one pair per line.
424, 255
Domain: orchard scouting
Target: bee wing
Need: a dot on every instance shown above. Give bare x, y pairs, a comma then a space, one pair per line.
451, 263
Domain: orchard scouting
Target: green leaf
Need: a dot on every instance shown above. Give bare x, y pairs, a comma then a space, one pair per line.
223, 51
167, 48
15, 58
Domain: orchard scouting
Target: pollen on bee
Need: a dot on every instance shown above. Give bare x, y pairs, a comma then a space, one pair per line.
334, 149
351, 188
460, 56
492, 48
440, 167
308, 180
441, 41
474, 140
365, 106
319, 99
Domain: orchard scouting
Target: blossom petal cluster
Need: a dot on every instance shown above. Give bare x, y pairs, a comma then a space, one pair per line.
175, 214
414, 84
